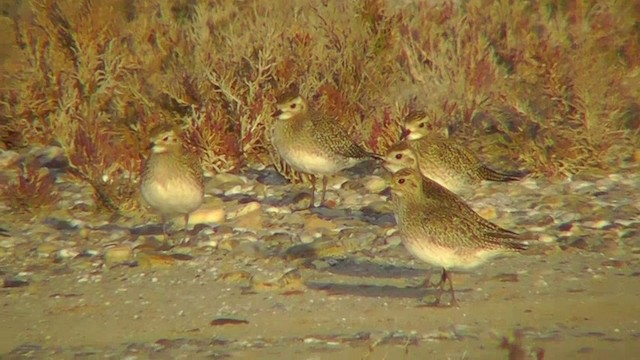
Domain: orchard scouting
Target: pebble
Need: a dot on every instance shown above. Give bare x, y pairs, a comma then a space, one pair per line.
375, 184
45, 250
206, 215
301, 201
244, 209
117, 255
488, 212
314, 222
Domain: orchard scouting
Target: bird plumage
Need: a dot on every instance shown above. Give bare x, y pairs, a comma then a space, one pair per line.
450, 164
311, 142
172, 180
436, 229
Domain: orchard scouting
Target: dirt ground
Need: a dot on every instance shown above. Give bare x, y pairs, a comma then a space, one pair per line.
566, 303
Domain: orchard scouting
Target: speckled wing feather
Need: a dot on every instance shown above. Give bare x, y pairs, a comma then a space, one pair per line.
445, 153
448, 229
193, 166
334, 137
432, 189
458, 157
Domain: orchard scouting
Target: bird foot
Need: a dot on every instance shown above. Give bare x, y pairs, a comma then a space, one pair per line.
437, 302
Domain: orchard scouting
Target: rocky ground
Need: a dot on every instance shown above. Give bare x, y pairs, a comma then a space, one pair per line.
260, 278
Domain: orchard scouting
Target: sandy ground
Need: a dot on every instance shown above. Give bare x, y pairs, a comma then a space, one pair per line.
566, 302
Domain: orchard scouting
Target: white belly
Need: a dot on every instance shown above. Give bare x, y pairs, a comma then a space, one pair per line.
448, 258
172, 197
311, 163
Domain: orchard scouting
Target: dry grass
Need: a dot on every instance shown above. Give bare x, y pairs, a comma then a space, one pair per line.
554, 86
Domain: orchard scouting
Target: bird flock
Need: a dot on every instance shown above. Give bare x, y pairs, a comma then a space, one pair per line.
428, 173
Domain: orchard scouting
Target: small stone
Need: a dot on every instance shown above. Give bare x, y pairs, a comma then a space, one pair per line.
580, 243
223, 182
375, 184
598, 224
336, 182
153, 260
45, 250
252, 221
352, 185
207, 215
394, 240
66, 254
227, 321
235, 277
307, 238
378, 208
117, 255
614, 263
249, 249
245, 209
13, 283
314, 222
540, 283
488, 212
546, 238
565, 227
237, 189
278, 238
260, 190
301, 201
271, 177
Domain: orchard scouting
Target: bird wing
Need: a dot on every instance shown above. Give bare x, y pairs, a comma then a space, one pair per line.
444, 151
432, 189
337, 139
449, 227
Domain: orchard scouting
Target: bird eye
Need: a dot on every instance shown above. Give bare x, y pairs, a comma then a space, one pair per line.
398, 156
421, 125
166, 138
293, 106
401, 181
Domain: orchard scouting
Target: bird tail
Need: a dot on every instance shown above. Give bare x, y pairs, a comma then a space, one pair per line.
492, 175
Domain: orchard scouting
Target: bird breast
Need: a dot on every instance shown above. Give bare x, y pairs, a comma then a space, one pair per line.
170, 189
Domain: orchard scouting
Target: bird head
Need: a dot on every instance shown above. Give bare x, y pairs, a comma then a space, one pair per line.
165, 141
400, 156
289, 104
415, 125
406, 183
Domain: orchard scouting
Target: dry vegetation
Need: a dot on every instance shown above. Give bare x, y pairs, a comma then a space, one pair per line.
552, 85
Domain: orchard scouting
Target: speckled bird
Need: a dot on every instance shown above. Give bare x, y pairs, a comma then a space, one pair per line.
172, 178
401, 156
435, 231
312, 142
450, 164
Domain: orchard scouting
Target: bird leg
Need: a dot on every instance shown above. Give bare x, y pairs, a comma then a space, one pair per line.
426, 283
325, 180
186, 229
313, 192
164, 227
446, 276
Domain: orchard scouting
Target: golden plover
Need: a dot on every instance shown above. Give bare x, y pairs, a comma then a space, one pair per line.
435, 231
172, 178
313, 143
401, 156
444, 161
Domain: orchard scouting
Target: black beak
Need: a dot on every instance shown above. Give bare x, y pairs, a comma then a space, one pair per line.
404, 133
277, 113
150, 146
